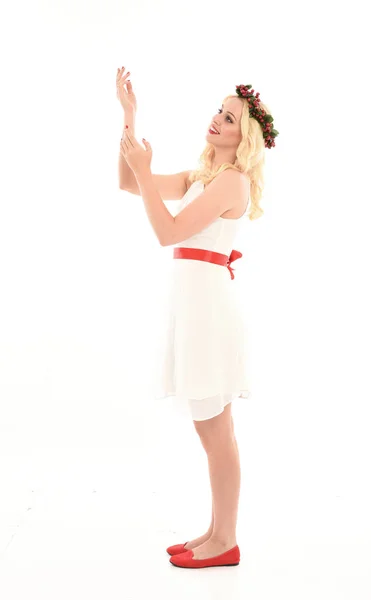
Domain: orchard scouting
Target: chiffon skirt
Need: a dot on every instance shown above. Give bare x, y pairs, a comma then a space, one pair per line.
201, 357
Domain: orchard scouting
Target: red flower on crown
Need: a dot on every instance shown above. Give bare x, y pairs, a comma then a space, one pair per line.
265, 120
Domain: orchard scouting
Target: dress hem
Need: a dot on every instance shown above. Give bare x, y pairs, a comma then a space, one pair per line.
201, 409
241, 394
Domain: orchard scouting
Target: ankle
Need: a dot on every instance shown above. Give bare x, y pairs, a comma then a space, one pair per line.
223, 540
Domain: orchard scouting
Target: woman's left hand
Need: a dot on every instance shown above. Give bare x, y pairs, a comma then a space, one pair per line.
137, 158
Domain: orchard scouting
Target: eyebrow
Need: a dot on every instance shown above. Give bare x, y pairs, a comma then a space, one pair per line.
228, 111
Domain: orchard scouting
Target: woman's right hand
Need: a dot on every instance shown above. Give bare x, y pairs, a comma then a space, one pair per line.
126, 96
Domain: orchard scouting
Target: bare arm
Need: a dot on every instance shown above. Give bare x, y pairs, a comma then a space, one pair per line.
219, 196
170, 187
127, 179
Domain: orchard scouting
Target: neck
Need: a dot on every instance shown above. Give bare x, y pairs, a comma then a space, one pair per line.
222, 156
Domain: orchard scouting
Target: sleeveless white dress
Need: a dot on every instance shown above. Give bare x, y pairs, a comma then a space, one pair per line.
201, 359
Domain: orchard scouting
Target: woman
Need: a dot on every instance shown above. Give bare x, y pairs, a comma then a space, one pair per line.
202, 360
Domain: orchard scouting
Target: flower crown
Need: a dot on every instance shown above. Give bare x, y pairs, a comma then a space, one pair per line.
265, 120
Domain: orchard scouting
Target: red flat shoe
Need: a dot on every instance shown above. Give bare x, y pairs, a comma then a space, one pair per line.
176, 549
230, 558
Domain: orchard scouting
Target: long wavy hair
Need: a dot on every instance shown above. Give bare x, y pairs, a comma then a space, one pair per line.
250, 158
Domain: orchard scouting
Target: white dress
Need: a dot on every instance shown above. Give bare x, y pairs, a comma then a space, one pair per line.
201, 360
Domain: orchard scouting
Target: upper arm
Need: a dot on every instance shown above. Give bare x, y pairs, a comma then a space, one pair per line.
170, 187
218, 196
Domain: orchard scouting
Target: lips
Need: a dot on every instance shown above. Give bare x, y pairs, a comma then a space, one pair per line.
214, 130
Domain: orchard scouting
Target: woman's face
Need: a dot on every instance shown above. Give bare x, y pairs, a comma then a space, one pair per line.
227, 122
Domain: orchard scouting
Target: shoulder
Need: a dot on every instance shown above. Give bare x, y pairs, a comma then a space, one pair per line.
224, 179
241, 185
232, 174
239, 177
236, 187
227, 190
234, 178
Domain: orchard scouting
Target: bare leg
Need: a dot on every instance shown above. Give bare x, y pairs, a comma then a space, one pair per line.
211, 528
203, 538
218, 439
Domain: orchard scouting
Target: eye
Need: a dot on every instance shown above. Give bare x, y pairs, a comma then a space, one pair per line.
228, 117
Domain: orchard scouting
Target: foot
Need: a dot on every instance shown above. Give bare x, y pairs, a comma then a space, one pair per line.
198, 541
212, 548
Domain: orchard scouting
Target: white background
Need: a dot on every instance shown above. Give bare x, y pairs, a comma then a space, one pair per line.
97, 477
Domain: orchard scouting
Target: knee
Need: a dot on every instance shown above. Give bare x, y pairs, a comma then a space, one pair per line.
215, 432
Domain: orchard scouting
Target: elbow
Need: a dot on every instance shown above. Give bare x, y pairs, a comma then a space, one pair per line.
167, 241
164, 242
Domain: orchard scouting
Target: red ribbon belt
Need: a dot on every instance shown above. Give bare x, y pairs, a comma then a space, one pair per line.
208, 255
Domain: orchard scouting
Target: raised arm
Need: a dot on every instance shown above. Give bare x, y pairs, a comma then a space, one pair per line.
170, 187
128, 101
127, 180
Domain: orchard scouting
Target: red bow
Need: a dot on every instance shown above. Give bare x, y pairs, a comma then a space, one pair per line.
233, 256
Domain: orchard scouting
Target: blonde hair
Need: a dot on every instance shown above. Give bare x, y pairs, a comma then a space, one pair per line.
250, 158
